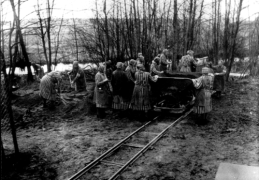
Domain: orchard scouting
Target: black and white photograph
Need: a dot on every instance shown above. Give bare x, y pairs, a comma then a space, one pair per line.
129, 89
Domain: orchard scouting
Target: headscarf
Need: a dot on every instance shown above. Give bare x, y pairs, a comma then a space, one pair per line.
141, 67
205, 70
101, 68
165, 50
190, 52
139, 54
132, 62
56, 75
119, 65
221, 61
76, 67
75, 64
141, 59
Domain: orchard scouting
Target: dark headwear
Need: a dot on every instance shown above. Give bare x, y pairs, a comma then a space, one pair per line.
156, 60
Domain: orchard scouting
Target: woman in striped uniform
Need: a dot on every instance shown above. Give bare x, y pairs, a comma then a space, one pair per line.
47, 86
203, 103
154, 67
140, 99
186, 61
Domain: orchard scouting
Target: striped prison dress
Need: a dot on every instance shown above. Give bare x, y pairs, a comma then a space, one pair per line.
185, 63
119, 82
203, 103
47, 85
140, 99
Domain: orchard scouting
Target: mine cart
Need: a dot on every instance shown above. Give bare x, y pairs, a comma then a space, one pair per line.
174, 92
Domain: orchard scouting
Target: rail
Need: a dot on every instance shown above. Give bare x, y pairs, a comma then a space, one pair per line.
101, 158
107, 153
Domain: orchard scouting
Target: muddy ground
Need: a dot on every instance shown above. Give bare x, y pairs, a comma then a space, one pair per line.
54, 144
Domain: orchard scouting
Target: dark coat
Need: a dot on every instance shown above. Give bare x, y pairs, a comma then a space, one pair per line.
119, 82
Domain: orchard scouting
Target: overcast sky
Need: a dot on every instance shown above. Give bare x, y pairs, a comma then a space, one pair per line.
84, 8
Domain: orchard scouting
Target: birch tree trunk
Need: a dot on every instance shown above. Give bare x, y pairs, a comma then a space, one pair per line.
175, 36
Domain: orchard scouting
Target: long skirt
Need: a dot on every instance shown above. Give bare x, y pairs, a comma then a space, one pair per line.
219, 83
119, 103
47, 88
203, 103
101, 98
140, 99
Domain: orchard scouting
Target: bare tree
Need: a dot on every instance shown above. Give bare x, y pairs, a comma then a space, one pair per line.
48, 26
21, 42
234, 38
57, 41
216, 30
45, 31
175, 35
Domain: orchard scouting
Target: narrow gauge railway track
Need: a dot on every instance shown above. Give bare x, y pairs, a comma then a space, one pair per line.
129, 146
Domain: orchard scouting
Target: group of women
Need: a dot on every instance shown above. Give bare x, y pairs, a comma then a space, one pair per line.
211, 81
129, 87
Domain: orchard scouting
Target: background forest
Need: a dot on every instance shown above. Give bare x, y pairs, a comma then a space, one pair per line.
119, 30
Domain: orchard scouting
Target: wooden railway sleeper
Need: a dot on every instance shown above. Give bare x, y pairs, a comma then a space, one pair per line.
111, 163
143, 150
134, 145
